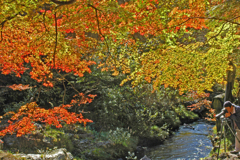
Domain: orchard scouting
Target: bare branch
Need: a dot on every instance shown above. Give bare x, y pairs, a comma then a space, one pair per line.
63, 2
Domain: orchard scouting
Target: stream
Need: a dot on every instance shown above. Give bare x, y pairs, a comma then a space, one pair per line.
185, 144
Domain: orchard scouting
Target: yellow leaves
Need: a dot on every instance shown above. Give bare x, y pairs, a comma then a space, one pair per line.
165, 85
104, 69
173, 11
229, 68
9, 113
209, 89
179, 67
28, 106
115, 73
100, 65
23, 108
127, 70
148, 79
124, 81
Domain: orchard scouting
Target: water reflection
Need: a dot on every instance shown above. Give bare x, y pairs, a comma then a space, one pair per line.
186, 144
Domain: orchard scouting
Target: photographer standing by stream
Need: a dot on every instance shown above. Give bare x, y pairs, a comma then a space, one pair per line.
232, 111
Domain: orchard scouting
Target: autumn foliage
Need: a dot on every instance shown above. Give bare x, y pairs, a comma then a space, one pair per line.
23, 121
19, 87
202, 103
141, 39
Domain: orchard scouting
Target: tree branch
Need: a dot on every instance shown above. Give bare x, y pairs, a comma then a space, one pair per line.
98, 24
63, 2
99, 30
56, 36
218, 32
220, 19
7, 19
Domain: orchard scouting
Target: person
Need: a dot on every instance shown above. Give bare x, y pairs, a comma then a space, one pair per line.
233, 112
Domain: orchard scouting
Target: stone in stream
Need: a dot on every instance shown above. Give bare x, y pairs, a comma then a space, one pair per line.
188, 126
145, 158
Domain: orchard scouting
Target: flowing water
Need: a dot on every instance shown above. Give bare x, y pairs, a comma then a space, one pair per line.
185, 144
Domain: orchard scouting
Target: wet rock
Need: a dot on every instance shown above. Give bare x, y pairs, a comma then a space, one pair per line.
140, 151
58, 154
188, 126
145, 158
30, 156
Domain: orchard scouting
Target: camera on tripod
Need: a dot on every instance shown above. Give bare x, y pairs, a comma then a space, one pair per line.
224, 110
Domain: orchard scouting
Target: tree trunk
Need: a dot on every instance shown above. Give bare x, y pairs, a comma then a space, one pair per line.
228, 92
238, 93
230, 83
217, 105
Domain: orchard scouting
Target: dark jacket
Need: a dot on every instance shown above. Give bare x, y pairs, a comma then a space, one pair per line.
236, 115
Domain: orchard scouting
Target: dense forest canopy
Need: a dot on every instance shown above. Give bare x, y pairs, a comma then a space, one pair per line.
187, 44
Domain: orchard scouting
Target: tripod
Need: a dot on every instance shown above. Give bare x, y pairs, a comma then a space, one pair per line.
224, 123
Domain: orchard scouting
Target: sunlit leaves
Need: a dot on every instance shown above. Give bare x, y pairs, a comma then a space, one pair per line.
151, 41
22, 122
19, 87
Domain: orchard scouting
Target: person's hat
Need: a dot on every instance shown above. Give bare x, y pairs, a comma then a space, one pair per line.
227, 104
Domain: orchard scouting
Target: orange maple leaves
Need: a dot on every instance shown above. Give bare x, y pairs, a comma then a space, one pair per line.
81, 99
202, 102
19, 87
190, 18
27, 43
23, 122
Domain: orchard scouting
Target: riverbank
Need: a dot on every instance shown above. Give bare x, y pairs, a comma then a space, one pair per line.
86, 143
224, 153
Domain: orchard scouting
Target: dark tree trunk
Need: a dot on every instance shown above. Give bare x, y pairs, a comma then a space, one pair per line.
238, 93
228, 92
230, 83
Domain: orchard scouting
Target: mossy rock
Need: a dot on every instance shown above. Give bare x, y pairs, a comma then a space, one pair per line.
8, 156
111, 151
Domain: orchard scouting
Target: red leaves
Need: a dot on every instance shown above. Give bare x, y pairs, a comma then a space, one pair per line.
177, 28
190, 18
81, 99
92, 96
202, 102
23, 122
69, 30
